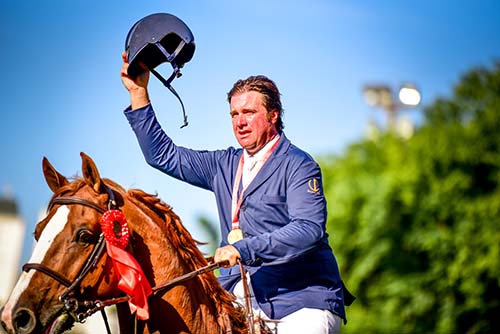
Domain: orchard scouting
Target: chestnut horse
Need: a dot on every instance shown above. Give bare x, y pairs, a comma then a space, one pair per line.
69, 269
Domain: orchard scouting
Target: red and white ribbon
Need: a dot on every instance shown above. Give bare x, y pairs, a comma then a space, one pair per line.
131, 278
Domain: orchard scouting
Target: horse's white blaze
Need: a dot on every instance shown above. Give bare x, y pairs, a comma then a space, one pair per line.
50, 232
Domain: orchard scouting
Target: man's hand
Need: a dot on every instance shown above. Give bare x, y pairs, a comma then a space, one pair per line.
227, 253
137, 87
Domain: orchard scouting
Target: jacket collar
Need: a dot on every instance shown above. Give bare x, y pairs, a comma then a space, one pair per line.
271, 165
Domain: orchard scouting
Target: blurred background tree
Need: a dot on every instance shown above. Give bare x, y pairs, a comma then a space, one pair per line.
211, 229
415, 223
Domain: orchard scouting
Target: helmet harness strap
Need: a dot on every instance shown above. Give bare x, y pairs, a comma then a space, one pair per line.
175, 74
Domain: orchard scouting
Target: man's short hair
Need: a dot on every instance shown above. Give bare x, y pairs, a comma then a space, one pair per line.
269, 91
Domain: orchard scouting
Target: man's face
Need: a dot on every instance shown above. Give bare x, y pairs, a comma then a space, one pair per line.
253, 127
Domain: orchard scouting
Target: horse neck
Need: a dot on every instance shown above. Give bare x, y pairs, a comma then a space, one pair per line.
185, 308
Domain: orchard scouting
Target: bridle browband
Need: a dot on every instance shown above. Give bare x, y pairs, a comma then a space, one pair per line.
80, 310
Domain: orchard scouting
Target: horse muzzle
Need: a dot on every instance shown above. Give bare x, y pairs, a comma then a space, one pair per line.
23, 321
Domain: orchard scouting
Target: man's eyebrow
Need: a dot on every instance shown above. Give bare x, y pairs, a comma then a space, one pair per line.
246, 110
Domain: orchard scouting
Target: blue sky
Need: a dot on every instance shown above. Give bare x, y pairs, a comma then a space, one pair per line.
62, 93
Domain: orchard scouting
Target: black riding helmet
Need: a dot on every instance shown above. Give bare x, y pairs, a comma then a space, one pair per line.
159, 38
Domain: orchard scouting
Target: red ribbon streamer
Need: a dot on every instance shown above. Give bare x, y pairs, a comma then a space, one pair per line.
131, 278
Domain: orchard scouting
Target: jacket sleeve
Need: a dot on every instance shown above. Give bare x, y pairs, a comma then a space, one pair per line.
160, 152
304, 227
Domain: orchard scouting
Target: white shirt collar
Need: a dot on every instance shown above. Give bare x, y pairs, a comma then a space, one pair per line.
262, 152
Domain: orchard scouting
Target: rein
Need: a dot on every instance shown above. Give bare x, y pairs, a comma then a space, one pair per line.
81, 310
157, 289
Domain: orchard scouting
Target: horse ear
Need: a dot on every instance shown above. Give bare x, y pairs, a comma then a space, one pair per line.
55, 180
90, 173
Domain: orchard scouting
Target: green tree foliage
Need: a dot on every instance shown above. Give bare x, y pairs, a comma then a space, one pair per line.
212, 231
415, 223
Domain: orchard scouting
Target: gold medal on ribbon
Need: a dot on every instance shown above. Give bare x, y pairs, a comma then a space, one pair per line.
235, 235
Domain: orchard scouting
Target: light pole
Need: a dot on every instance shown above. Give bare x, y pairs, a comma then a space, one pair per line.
382, 96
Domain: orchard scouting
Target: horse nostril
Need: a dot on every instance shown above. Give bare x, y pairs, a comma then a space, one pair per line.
24, 321
3, 325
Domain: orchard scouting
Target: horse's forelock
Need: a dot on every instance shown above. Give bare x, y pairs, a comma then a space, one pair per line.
71, 189
64, 190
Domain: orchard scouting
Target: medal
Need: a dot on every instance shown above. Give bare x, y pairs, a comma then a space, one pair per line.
234, 235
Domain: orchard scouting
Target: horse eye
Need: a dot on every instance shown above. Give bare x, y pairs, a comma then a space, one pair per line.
84, 236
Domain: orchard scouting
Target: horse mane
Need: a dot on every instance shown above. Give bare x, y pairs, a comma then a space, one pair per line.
182, 240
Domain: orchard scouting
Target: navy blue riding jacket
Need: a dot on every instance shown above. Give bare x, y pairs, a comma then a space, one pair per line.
283, 215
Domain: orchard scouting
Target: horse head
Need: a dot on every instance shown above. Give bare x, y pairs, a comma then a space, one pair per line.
66, 242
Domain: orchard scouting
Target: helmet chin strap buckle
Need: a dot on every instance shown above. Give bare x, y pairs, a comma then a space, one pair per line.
175, 74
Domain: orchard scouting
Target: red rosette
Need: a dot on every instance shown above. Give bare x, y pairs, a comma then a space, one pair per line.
131, 278
115, 228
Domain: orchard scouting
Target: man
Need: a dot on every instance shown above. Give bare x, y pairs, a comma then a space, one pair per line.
271, 205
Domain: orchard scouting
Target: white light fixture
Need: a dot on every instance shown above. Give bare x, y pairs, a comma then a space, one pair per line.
381, 95
409, 95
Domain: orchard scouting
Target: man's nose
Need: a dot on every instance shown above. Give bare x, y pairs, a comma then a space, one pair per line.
241, 120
